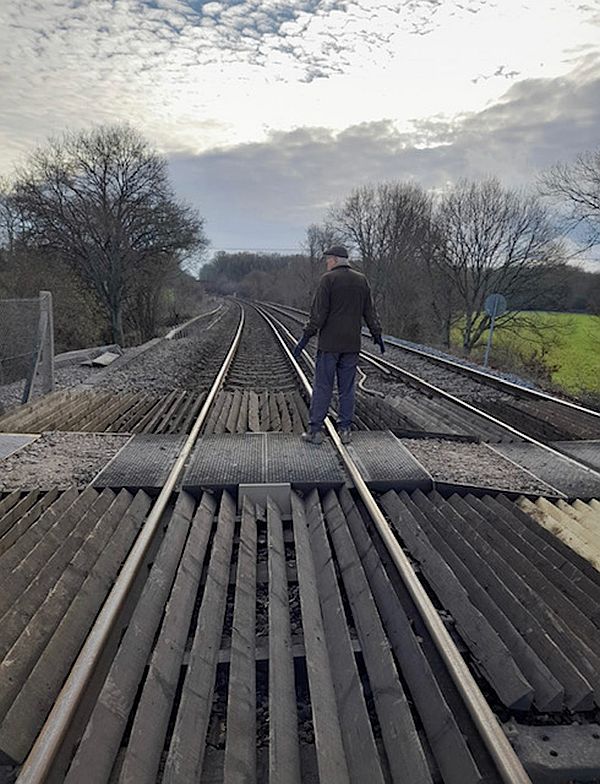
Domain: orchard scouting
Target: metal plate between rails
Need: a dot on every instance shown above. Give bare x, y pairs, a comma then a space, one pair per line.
570, 479
226, 460
586, 451
144, 462
386, 463
9, 443
275, 458
289, 459
261, 458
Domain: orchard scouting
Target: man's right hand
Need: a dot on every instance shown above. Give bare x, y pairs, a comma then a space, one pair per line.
379, 342
299, 347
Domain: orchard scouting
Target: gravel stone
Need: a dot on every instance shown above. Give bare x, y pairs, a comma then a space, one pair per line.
434, 352
11, 395
72, 375
174, 364
187, 363
59, 460
391, 386
450, 381
260, 363
472, 464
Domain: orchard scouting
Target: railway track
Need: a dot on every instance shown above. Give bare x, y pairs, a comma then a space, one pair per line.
312, 632
260, 393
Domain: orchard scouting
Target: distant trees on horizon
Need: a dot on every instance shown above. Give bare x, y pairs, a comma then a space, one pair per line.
432, 259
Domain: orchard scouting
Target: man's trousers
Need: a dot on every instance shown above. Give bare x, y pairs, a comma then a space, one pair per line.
329, 365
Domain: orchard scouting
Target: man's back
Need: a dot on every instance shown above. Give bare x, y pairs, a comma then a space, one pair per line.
342, 300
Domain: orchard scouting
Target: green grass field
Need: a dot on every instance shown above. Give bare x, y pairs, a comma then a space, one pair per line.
573, 348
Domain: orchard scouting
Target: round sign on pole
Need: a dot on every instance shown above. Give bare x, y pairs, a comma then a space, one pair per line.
495, 305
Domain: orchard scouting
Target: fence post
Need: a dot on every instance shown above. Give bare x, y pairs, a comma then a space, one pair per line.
47, 347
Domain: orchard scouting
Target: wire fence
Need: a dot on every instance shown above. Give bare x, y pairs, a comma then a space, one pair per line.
25, 332
19, 327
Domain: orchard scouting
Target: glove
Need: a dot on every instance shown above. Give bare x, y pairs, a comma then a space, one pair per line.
298, 348
379, 342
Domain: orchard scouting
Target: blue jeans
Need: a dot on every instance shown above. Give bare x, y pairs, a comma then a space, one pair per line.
329, 365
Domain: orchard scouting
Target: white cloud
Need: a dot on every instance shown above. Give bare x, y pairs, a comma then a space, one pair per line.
265, 194
193, 75
405, 88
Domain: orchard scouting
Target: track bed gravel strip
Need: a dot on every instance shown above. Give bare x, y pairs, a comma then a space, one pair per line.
473, 464
59, 460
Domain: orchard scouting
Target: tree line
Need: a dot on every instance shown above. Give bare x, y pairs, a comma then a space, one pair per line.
433, 258
92, 216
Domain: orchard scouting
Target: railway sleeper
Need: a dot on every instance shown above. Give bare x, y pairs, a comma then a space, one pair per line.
309, 597
494, 555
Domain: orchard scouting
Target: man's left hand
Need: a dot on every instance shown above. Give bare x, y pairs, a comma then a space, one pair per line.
379, 342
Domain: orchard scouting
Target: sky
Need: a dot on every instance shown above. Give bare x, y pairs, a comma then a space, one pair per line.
270, 111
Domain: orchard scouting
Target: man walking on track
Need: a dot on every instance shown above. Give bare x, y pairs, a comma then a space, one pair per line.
341, 302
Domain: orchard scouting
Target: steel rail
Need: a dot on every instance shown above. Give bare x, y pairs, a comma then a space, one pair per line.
386, 366
505, 758
466, 370
500, 383
40, 760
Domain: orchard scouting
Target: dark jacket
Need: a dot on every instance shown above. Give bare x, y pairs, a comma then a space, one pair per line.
341, 302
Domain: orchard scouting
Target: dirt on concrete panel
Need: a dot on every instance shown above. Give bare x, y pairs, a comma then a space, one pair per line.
59, 460
472, 464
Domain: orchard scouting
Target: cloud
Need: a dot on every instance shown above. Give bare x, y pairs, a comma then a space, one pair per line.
272, 109
266, 194
194, 75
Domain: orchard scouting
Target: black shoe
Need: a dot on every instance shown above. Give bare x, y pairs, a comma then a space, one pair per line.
312, 438
346, 435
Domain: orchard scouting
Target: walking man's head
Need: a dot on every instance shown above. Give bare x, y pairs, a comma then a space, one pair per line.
333, 255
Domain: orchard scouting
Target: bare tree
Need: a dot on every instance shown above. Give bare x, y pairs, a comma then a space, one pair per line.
101, 201
495, 240
576, 188
381, 222
389, 225
146, 296
9, 219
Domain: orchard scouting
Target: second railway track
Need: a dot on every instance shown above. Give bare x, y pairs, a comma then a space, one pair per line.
536, 413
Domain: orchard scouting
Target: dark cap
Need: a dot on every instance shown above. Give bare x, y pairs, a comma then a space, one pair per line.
336, 250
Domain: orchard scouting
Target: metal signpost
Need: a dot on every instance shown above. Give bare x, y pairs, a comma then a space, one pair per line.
495, 305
